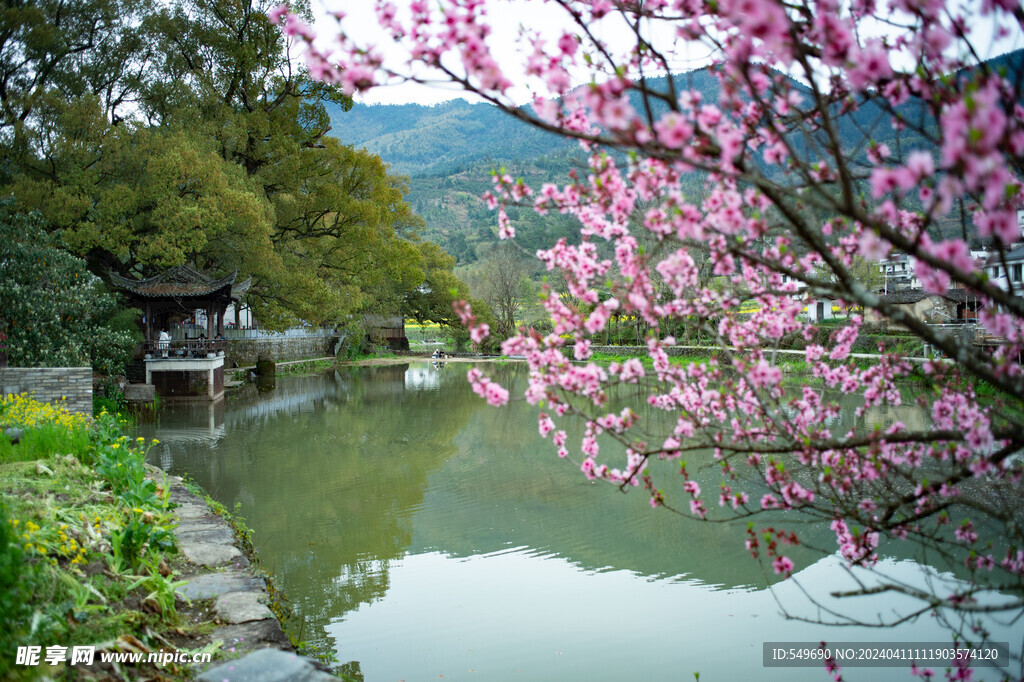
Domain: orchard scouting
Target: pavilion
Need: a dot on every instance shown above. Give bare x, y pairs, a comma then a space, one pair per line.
193, 368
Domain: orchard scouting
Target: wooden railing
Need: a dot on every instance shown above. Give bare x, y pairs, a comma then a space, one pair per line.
184, 348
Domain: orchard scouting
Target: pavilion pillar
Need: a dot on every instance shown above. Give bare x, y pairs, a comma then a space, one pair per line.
209, 321
149, 323
220, 318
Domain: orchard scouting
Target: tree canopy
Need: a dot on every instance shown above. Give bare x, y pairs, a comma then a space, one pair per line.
203, 144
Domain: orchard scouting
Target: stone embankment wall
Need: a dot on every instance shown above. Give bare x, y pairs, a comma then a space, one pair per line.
244, 352
73, 385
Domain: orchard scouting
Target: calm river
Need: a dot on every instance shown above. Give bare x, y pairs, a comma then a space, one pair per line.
423, 535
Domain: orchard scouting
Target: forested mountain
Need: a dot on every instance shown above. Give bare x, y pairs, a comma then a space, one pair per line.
441, 139
449, 151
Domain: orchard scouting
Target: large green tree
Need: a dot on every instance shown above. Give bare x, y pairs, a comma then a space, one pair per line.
221, 161
432, 300
338, 216
53, 52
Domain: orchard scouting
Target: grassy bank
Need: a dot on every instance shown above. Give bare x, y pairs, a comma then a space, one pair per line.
794, 367
304, 367
87, 555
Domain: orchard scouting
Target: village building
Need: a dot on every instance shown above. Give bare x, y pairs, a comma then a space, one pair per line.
820, 308
927, 307
898, 273
1007, 272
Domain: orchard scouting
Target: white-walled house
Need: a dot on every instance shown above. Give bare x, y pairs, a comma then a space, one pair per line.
1007, 273
898, 273
820, 308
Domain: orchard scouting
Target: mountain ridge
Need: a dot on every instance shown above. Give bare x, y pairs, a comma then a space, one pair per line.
449, 150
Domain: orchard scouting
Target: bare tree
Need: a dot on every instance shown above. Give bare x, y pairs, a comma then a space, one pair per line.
503, 284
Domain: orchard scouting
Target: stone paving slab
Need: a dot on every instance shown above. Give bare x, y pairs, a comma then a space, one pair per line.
246, 637
197, 525
210, 536
267, 665
206, 585
209, 554
194, 512
241, 607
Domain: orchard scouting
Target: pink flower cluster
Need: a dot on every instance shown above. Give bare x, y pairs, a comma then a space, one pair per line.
487, 389
725, 215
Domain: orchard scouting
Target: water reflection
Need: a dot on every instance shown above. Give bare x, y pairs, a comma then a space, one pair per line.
406, 519
328, 470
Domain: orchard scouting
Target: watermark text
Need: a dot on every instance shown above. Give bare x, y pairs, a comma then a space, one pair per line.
86, 655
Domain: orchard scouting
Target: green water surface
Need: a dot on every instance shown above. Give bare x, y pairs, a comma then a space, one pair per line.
423, 535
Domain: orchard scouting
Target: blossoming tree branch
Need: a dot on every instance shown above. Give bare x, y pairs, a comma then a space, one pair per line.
840, 132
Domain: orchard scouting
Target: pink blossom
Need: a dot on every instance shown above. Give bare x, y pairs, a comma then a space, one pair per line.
479, 333
717, 218
1000, 224
490, 390
276, 14
870, 66
673, 130
783, 565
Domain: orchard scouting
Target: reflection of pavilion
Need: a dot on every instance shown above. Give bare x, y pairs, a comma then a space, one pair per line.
422, 379
188, 424
295, 397
192, 368
883, 416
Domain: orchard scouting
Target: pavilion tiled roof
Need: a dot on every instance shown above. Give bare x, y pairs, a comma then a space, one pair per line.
238, 290
181, 281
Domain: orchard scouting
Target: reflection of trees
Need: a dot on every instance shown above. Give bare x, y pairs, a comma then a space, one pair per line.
506, 487
329, 484
503, 468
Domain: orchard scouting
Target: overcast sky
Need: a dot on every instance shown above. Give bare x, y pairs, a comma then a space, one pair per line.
506, 17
